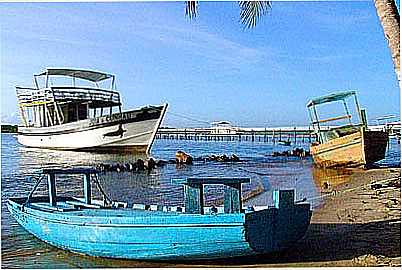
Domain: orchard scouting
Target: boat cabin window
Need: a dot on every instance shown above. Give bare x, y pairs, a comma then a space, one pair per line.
76, 112
336, 115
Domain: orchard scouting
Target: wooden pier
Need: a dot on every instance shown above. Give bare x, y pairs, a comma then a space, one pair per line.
273, 135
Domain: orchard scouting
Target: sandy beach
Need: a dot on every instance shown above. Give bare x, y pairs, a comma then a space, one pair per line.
358, 225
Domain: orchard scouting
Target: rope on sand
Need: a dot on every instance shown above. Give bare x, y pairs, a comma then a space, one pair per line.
188, 117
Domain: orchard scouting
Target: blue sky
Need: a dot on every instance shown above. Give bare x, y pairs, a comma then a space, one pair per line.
209, 68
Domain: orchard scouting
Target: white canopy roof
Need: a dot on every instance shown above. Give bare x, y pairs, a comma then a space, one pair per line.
89, 75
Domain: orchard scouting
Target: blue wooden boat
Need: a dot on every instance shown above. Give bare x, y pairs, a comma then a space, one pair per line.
119, 230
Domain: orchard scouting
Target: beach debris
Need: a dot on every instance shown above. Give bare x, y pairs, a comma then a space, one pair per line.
346, 215
371, 260
297, 152
326, 185
395, 184
183, 158
392, 183
376, 186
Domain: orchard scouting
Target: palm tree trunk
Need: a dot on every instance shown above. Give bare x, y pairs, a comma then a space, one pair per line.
389, 17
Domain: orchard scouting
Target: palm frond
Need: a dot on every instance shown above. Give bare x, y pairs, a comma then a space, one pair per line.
251, 12
191, 9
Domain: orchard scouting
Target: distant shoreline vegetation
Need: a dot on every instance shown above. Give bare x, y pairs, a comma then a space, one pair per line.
9, 128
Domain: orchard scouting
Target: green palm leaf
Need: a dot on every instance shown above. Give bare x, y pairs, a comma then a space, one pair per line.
251, 12
191, 9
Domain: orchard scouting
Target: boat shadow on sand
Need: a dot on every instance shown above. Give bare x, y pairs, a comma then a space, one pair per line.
323, 242
335, 242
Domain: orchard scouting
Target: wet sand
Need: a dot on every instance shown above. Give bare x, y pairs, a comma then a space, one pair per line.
358, 225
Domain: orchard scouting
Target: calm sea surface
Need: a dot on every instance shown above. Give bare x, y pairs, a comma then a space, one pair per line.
19, 249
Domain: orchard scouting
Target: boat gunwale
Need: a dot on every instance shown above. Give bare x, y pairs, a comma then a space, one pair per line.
40, 131
34, 212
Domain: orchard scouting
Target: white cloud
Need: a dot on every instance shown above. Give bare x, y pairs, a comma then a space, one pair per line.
210, 46
12, 118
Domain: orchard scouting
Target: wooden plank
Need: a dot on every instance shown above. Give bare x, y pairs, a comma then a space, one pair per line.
87, 188
217, 180
51, 180
333, 119
232, 198
194, 199
82, 204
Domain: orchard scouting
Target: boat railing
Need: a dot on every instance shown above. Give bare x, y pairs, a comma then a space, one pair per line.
193, 189
50, 174
32, 96
333, 119
85, 94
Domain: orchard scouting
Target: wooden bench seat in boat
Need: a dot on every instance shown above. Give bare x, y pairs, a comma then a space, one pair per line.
78, 204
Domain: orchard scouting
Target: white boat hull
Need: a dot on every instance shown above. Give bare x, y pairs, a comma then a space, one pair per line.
129, 131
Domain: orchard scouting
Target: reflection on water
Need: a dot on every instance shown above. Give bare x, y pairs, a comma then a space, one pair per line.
326, 179
52, 158
20, 249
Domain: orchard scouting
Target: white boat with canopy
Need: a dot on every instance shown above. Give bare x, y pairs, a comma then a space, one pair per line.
83, 115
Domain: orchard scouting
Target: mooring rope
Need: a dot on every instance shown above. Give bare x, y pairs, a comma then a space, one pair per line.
34, 188
105, 196
188, 117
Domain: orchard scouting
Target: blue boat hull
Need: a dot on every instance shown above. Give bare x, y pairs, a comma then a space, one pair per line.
156, 235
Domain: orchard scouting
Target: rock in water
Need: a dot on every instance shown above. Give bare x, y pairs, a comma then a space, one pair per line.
183, 158
140, 165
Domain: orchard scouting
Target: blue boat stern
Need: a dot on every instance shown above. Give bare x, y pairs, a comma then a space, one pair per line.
277, 228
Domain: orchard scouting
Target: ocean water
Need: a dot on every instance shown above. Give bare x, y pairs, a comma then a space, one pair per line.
19, 249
